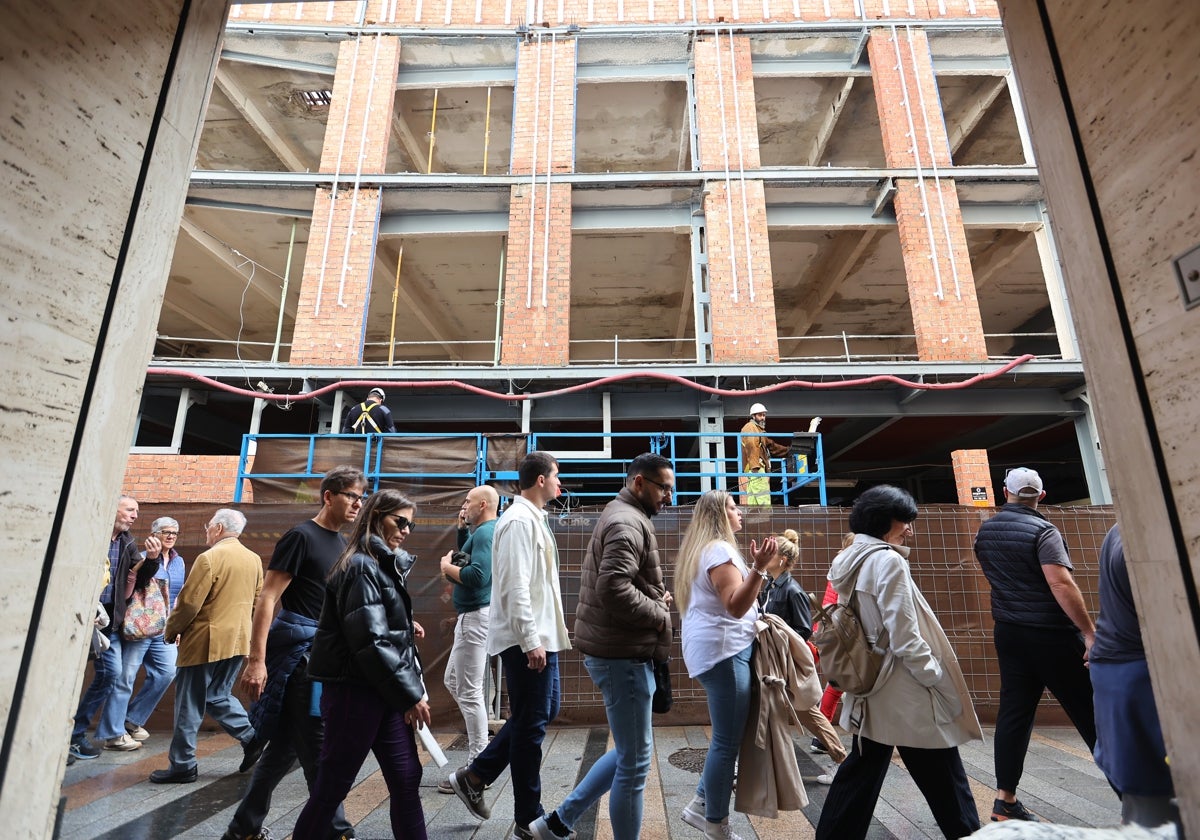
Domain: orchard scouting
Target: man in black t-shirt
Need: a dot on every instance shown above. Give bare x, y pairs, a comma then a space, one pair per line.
276, 670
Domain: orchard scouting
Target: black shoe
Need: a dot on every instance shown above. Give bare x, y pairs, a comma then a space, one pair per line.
817, 747
174, 777
1002, 811
252, 751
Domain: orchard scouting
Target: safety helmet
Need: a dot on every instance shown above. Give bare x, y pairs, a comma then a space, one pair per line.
758, 408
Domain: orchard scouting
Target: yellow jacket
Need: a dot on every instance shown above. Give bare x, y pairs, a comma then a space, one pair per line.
213, 612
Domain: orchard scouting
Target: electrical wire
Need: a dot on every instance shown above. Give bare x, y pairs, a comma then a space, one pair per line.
601, 382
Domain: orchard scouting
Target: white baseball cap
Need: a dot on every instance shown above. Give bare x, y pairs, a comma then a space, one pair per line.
758, 408
1023, 482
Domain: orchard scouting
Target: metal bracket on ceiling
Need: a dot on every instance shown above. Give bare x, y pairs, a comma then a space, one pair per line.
856, 55
883, 201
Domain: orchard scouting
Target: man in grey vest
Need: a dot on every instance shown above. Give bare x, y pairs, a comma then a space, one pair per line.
1043, 632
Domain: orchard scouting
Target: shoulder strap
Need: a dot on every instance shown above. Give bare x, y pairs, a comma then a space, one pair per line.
365, 417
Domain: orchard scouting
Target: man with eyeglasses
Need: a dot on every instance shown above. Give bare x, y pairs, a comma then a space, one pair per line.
286, 714
622, 626
155, 654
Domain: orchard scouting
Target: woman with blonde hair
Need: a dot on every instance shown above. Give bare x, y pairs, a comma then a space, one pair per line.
786, 598
717, 594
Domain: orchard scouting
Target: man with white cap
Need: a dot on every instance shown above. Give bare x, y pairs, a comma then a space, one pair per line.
757, 452
1043, 632
371, 417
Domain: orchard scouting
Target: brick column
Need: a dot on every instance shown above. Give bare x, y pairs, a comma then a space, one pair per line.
933, 241
739, 256
339, 261
537, 279
972, 471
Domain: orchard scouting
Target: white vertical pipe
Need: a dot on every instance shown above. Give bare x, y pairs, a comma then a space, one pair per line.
737, 117
549, 170
725, 156
537, 105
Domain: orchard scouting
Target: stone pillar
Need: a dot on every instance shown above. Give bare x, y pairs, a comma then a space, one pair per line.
103, 104
340, 258
735, 209
537, 281
933, 242
973, 477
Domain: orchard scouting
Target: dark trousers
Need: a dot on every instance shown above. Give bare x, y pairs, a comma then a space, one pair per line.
298, 735
1032, 660
939, 775
357, 721
533, 700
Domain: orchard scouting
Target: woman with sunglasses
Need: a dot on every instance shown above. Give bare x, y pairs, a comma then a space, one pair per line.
365, 657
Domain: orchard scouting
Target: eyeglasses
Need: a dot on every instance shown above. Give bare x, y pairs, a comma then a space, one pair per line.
403, 522
353, 497
171, 534
666, 488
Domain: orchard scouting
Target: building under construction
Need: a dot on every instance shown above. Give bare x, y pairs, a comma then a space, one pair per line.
625, 216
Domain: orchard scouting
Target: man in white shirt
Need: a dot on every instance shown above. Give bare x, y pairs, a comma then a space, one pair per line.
527, 630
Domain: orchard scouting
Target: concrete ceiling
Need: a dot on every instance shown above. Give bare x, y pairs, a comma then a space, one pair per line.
831, 277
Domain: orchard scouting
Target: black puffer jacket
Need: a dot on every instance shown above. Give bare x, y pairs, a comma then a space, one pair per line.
1007, 549
365, 636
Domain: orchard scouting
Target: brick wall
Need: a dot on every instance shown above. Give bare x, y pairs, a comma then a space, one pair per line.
475, 13
735, 214
937, 264
972, 469
179, 479
537, 332
340, 258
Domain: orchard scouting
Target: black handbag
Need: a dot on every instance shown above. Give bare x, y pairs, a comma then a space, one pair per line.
662, 700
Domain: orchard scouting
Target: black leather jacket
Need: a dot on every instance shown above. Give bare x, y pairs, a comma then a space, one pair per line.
785, 598
365, 635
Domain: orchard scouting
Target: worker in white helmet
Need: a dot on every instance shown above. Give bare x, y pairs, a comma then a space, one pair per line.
757, 452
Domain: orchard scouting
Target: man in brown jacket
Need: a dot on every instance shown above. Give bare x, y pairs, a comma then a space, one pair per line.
622, 625
211, 625
757, 452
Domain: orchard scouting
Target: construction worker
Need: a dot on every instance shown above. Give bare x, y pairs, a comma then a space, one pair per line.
370, 417
757, 452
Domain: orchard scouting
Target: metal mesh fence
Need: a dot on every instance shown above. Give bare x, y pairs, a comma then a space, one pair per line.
942, 560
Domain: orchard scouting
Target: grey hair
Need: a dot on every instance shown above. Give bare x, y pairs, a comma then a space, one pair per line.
163, 522
233, 521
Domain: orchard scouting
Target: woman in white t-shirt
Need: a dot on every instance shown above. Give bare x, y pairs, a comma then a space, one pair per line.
717, 595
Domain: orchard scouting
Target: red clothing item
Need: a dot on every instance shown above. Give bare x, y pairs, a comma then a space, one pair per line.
829, 700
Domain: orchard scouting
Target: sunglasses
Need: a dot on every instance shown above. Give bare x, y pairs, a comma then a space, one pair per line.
403, 522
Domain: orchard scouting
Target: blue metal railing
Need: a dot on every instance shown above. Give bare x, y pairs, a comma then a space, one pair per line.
589, 472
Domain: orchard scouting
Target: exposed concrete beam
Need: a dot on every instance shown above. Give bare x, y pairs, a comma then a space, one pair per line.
999, 254
403, 133
267, 290
824, 277
188, 306
685, 135
840, 97
969, 121
863, 430
258, 121
418, 303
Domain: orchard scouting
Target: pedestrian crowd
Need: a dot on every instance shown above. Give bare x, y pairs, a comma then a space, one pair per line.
325, 645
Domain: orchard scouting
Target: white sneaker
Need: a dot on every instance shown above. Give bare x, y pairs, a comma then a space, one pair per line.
720, 831
137, 733
122, 743
824, 779
693, 814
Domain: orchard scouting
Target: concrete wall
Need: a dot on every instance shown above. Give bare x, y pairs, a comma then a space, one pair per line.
1117, 137
101, 122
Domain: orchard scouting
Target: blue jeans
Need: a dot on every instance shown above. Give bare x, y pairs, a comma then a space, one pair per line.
727, 685
533, 700
105, 669
627, 687
357, 721
200, 689
112, 719
159, 660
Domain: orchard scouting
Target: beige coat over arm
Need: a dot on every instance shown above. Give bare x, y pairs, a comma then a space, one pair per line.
213, 612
